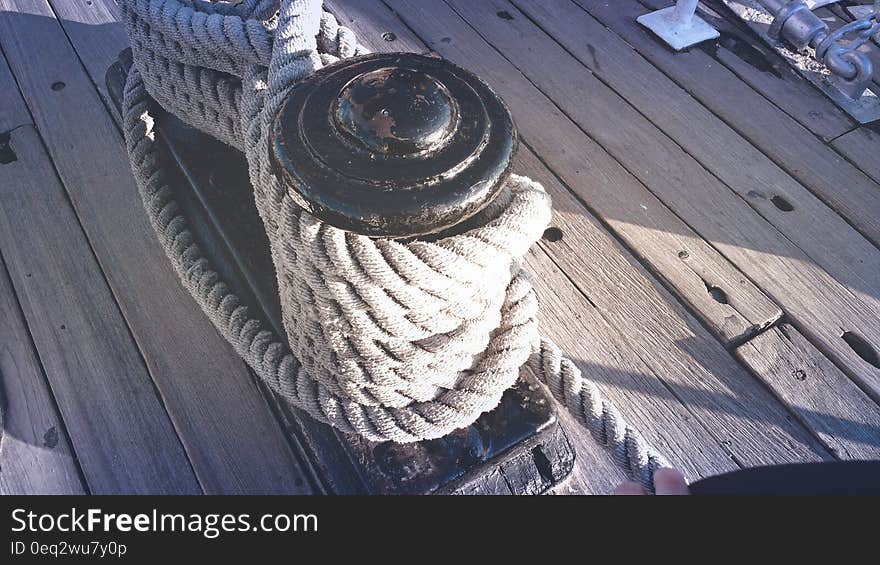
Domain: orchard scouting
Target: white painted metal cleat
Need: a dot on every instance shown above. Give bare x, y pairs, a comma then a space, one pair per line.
678, 25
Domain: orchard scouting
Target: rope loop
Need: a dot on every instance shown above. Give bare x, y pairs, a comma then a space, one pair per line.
392, 340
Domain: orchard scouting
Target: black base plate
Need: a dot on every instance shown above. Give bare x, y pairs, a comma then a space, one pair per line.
518, 448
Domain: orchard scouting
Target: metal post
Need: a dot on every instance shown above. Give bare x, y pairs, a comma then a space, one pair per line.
683, 13
678, 25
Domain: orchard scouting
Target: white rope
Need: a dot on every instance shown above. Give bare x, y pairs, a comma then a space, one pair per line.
392, 340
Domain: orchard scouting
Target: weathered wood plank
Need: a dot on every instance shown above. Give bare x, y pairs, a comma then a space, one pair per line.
532, 471
822, 397
659, 344
822, 305
811, 225
679, 349
594, 471
768, 73
569, 319
493, 482
731, 157
35, 453
862, 147
230, 434
643, 222
13, 113
122, 436
94, 31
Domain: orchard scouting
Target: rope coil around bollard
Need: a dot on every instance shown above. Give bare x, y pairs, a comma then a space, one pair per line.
392, 339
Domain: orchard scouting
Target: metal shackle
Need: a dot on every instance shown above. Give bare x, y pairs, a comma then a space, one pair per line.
393, 145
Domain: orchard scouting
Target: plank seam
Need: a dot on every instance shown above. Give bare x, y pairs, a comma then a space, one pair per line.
780, 165
4, 272
656, 276
844, 289
65, 192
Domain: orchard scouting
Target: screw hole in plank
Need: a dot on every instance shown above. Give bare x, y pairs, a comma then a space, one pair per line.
716, 293
552, 234
58, 85
862, 348
389, 36
782, 203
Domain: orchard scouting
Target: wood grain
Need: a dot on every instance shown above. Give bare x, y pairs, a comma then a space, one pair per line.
35, 454
678, 351
13, 113
774, 134
96, 34
657, 344
862, 148
821, 305
825, 400
605, 357
123, 438
681, 134
230, 434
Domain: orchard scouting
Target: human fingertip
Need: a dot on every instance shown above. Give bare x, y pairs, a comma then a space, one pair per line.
670, 482
630, 488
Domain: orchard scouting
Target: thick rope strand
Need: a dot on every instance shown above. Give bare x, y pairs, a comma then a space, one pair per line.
393, 341
324, 399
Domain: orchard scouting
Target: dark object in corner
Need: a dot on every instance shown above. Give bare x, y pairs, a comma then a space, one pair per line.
825, 478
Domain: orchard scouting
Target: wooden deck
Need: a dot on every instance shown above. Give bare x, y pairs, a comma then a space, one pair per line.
715, 264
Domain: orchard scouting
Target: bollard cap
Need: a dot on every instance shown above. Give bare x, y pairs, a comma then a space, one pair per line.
393, 145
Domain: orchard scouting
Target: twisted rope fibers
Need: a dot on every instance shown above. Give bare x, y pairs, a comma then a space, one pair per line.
392, 340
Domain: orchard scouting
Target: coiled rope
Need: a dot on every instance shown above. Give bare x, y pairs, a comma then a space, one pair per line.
392, 340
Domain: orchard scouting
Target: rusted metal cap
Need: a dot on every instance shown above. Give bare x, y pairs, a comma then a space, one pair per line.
393, 145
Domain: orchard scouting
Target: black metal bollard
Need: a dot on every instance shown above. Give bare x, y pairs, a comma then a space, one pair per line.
393, 145
522, 435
